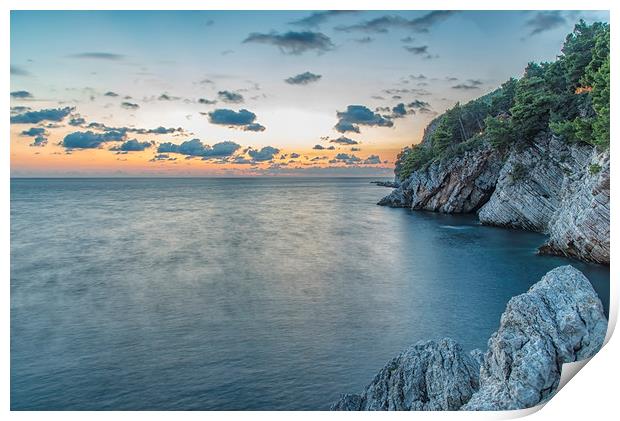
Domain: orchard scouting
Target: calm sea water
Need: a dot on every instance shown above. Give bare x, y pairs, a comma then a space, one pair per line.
241, 293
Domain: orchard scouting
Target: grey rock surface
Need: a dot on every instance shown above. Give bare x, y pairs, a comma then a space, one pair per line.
560, 319
458, 185
425, 377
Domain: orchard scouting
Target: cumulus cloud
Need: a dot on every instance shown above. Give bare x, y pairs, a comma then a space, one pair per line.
166, 97
230, 97
264, 154
129, 105
77, 121
21, 94
206, 101
242, 119
382, 24
359, 115
317, 18
33, 117
195, 147
352, 159
399, 111
465, 86
294, 43
33, 131
91, 140
132, 145
420, 106
111, 94
162, 157
39, 141
295, 155
303, 78
342, 140
96, 55
545, 21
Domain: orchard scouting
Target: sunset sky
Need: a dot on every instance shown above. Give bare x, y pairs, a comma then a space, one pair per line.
210, 93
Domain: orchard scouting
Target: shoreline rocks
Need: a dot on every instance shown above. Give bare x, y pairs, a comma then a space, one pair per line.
560, 319
550, 186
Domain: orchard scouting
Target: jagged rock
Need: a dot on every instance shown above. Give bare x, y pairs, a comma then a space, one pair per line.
559, 320
458, 185
580, 226
427, 376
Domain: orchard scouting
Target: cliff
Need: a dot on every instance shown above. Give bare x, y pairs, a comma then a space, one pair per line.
549, 186
560, 319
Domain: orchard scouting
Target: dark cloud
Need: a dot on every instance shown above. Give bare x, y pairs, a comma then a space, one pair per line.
417, 50
132, 145
39, 141
18, 71
230, 97
372, 160
110, 93
157, 130
99, 56
465, 86
242, 119
77, 121
342, 140
166, 97
294, 43
295, 155
33, 117
195, 147
351, 159
91, 140
21, 94
33, 131
303, 78
129, 105
382, 24
19, 109
162, 157
264, 154
318, 147
206, 101
317, 18
545, 21
38, 133
356, 115
420, 106
399, 111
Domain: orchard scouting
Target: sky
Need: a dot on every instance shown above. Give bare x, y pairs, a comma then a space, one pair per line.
233, 93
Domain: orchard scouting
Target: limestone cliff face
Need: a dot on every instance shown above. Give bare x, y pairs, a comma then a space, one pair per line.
560, 319
549, 186
459, 185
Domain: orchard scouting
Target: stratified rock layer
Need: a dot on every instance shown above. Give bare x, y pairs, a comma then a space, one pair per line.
549, 186
560, 319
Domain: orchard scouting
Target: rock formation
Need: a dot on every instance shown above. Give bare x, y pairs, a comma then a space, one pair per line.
549, 186
560, 319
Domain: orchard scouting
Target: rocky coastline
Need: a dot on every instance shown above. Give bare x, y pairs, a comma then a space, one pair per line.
549, 186
558, 320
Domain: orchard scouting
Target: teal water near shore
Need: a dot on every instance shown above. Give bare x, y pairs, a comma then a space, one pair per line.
263, 293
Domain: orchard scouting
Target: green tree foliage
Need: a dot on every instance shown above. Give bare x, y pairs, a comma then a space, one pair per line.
569, 96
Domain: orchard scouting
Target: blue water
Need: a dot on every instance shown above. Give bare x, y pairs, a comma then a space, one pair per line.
264, 293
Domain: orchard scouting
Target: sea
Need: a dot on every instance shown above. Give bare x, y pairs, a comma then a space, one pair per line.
242, 293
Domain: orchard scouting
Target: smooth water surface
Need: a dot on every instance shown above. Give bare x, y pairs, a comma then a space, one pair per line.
264, 293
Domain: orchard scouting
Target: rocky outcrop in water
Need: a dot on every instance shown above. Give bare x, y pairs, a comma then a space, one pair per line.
548, 186
428, 376
458, 185
560, 319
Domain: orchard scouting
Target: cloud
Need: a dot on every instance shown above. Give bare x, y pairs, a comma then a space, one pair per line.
195, 147
110, 93
294, 43
77, 121
91, 140
33, 131
351, 159
342, 140
166, 97
417, 50
18, 71
129, 105
407, 40
39, 141
295, 155
466, 86
242, 119
372, 160
399, 111
264, 154
420, 106
206, 101
356, 115
132, 145
21, 94
230, 97
317, 18
96, 55
382, 24
545, 21
303, 78
33, 117
162, 157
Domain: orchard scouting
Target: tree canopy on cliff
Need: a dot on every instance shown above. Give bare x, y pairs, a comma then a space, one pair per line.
568, 97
